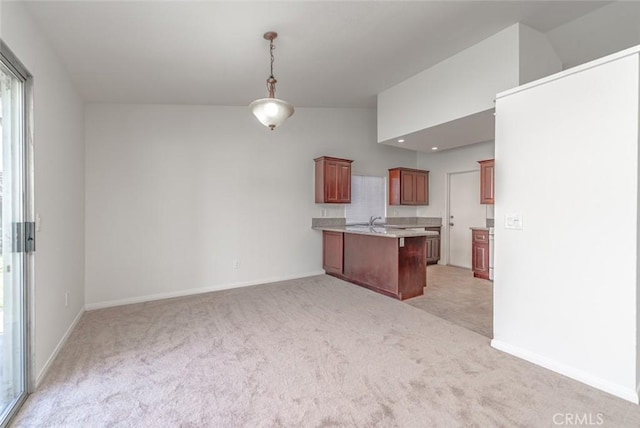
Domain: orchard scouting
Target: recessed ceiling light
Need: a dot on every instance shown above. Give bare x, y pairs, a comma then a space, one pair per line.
434, 148
400, 140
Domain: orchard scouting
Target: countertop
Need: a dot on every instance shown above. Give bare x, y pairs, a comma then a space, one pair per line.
408, 226
386, 231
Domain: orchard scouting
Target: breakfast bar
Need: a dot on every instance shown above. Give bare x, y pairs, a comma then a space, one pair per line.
388, 260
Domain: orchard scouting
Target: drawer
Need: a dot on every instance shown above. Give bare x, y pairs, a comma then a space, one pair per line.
481, 236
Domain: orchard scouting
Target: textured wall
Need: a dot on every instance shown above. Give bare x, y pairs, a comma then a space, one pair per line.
59, 183
177, 194
566, 283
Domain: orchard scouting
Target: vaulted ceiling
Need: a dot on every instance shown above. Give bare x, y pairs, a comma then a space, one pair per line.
328, 54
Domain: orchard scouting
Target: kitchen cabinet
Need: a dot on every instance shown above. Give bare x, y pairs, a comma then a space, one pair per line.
433, 246
480, 253
391, 266
408, 186
394, 267
487, 181
332, 252
333, 180
390, 262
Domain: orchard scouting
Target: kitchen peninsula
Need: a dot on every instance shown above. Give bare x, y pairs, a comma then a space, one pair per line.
386, 259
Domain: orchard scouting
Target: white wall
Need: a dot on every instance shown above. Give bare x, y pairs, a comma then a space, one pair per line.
565, 288
454, 99
537, 56
604, 31
463, 84
175, 194
439, 164
59, 183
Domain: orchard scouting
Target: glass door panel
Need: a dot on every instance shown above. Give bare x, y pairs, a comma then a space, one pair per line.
12, 258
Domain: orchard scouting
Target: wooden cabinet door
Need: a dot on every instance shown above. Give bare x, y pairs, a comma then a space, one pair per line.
480, 258
480, 254
431, 248
394, 186
408, 183
487, 182
331, 181
344, 183
332, 252
408, 186
421, 188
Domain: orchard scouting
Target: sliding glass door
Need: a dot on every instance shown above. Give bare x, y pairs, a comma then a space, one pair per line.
15, 233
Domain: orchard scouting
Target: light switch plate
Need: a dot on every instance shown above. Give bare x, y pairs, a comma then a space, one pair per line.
513, 221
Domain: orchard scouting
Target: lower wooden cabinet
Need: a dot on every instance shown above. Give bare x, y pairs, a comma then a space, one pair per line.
433, 246
480, 253
387, 265
333, 252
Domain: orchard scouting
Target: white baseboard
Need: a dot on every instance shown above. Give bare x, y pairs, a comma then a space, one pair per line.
191, 291
57, 349
619, 391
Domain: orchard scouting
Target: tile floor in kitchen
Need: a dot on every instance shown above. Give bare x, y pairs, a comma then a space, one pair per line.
454, 294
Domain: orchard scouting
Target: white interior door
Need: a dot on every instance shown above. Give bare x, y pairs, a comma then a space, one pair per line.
465, 211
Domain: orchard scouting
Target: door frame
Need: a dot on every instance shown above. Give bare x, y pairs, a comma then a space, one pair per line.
447, 227
10, 60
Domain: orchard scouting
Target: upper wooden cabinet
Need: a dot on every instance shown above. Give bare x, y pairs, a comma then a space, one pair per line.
333, 180
408, 186
487, 181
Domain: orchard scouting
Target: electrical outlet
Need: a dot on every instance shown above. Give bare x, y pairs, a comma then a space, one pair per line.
66, 299
236, 264
324, 213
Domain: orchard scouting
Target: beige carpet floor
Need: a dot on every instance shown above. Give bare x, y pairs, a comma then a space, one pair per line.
314, 352
454, 294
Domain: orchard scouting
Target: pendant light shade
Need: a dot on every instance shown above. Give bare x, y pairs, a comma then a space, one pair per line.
271, 111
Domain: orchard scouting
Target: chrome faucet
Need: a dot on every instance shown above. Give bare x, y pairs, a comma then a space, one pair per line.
372, 220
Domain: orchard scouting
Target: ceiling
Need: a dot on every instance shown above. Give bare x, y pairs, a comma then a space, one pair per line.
328, 54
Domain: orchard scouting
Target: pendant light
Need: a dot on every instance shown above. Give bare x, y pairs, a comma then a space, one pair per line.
271, 111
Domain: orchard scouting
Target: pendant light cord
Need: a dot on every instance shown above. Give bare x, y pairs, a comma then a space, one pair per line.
271, 48
271, 81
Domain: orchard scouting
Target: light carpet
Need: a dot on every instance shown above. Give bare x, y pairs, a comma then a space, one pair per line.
314, 352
